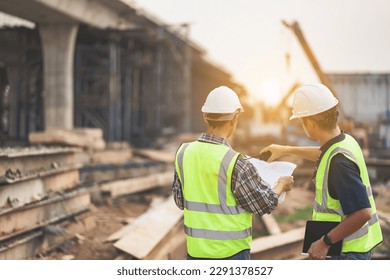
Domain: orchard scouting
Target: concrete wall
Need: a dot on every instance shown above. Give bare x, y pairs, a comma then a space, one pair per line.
365, 97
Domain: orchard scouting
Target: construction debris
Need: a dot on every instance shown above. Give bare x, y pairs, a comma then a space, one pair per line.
164, 156
44, 190
83, 137
129, 186
146, 232
48, 197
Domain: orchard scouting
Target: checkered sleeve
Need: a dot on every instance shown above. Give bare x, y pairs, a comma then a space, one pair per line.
251, 192
177, 192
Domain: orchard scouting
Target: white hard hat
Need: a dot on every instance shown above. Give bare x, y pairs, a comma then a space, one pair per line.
222, 100
312, 99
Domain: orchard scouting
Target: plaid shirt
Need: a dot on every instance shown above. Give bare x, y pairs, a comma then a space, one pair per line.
251, 192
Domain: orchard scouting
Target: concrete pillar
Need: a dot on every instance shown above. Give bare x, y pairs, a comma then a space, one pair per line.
58, 42
187, 83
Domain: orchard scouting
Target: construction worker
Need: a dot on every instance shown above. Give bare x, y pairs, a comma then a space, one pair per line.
343, 191
218, 188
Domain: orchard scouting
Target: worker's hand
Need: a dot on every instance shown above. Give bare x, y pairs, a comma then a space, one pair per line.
287, 182
275, 150
318, 250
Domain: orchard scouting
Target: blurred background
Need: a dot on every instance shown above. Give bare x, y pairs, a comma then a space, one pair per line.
96, 91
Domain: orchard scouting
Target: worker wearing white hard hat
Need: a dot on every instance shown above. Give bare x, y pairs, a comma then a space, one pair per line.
343, 189
222, 100
312, 99
218, 188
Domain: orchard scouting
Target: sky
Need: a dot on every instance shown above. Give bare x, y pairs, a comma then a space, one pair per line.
247, 38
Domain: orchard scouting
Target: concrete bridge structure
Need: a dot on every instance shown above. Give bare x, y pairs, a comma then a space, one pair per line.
58, 22
101, 64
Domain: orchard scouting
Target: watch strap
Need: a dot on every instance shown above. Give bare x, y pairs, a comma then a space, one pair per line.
327, 240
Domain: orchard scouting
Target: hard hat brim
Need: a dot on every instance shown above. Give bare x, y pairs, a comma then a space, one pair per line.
293, 116
206, 110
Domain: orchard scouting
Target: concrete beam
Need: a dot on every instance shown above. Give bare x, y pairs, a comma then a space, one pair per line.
97, 13
25, 218
58, 42
90, 12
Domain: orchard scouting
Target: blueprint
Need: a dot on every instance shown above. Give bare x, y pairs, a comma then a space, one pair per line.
271, 172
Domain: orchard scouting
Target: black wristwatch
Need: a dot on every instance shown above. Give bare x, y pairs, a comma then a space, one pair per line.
327, 240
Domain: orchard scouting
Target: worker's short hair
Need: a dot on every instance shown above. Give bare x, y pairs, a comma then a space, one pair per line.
326, 120
217, 119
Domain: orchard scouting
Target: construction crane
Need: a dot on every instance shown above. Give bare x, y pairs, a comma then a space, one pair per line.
294, 27
346, 123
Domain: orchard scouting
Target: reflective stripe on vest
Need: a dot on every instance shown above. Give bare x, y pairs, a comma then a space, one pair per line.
217, 235
323, 211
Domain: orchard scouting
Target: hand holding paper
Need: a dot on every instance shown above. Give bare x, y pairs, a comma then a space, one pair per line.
272, 172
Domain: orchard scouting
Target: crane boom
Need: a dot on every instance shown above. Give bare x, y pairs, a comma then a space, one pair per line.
346, 123
294, 26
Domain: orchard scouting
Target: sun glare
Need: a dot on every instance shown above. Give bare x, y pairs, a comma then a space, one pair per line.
269, 92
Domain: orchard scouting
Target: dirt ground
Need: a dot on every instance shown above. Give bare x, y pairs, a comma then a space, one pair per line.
110, 217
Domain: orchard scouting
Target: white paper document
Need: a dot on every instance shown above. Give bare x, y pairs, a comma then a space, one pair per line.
271, 172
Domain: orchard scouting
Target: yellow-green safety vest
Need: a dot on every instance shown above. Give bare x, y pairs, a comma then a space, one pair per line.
215, 226
328, 209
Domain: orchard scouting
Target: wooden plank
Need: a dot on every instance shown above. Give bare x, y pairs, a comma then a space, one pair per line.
66, 137
111, 156
165, 156
117, 172
20, 219
271, 241
134, 185
165, 178
85, 131
149, 229
287, 245
377, 162
271, 224
121, 232
127, 228
20, 152
168, 247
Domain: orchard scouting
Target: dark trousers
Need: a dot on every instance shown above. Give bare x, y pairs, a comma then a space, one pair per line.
243, 255
353, 256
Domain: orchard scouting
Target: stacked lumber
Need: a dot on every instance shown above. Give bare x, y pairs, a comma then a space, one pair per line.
46, 192
101, 172
134, 185
39, 190
90, 138
117, 172
111, 166
113, 153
